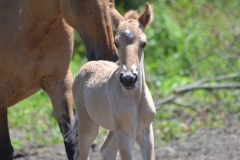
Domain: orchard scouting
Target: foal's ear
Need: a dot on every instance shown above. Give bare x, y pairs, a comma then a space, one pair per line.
115, 15
113, 3
146, 16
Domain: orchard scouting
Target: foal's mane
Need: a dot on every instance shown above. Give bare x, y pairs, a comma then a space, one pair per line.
132, 14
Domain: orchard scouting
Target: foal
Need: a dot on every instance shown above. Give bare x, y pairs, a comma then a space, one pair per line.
117, 97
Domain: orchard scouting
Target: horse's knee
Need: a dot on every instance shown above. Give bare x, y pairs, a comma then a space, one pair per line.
64, 126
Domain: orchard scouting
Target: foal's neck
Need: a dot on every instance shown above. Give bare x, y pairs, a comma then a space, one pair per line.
141, 71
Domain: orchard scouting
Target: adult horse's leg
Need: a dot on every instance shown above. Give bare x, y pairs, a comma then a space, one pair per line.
6, 150
59, 89
109, 148
145, 141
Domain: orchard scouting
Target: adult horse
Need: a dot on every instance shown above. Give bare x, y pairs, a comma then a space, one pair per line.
36, 44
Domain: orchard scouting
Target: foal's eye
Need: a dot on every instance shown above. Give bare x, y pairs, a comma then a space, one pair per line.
116, 44
144, 44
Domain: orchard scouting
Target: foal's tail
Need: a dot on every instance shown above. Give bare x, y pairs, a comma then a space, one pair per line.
71, 136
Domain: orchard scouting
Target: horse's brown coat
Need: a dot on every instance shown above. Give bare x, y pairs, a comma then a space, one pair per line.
36, 45
102, 100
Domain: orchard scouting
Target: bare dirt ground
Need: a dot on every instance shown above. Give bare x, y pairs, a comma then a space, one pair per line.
216, 144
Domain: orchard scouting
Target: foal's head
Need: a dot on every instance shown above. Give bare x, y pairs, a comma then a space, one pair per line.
130, 41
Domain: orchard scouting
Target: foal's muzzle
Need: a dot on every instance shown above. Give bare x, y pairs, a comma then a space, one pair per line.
128, 80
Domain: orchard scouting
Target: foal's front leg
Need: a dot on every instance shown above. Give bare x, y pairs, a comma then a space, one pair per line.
59, 89
145, 140
125, 141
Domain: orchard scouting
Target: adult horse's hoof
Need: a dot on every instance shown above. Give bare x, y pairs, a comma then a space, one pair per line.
70, 149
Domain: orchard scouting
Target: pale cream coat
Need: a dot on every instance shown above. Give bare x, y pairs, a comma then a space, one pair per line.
102, 100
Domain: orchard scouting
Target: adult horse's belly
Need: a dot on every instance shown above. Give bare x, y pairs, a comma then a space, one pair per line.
23, 74
20, 85
27, 59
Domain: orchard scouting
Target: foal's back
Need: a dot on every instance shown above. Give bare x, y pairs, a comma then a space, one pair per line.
95, 74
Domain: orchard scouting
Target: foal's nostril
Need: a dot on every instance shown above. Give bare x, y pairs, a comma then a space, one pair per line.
121, 77
128, 80
134, 78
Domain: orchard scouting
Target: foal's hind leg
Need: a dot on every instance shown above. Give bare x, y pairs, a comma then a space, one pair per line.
87, 130
109, 147
145, 141
59, 89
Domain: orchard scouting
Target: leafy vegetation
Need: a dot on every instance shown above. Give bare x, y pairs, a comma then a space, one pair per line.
188, 41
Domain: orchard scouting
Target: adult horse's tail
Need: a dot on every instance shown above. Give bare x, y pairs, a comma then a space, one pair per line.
71, 137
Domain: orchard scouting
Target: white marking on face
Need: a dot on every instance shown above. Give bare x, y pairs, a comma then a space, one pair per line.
128, 33
19, 21
124, 69
20, 11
